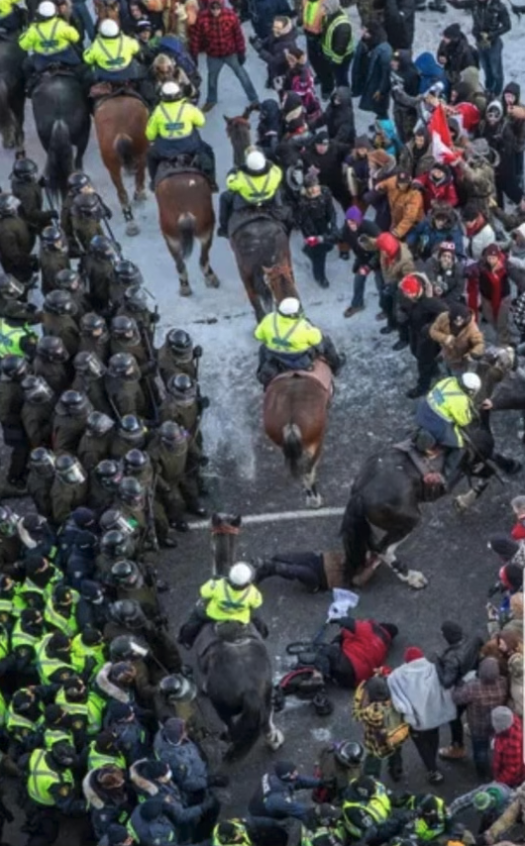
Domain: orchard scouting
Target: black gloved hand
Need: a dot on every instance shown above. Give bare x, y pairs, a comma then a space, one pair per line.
197, 351
204, 402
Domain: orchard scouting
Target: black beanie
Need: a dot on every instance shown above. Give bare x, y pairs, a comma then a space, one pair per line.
452, 632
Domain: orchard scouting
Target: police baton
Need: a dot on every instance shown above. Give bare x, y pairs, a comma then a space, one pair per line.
112, 238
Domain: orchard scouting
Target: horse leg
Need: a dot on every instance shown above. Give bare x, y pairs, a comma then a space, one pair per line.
140, 181
211, 278
182, 270
387, 554
313, 497
132, 227
81, 149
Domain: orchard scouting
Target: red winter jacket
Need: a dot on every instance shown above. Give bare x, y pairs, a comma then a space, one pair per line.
432, 193
365, 648
507, 759
219, 36
518, 532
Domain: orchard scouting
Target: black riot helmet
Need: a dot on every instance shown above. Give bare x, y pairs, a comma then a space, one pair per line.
89, 365
67, 280
86, 205
113, 519
123, 366
92, 325
54, 238
14, 368
127, 273
99, 423
126, 648
123, 326
9, 205
25, 170
125, 572
78, 180
131, 491
50, 348
36, 390
131, 430
182, 388
179, 341
171, 433
10, 288
102, 247
109, 473
115, 544
59, 302
127, 612
75, 403
69, 469
135, 299
134, 461
349, 753
42, 459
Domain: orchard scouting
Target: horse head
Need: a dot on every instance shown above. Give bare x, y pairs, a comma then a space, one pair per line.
238, 131
225, 530
280, 281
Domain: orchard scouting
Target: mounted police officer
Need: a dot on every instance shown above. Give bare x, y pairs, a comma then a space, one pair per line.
112, 54
233, 598
290, 342
253, 186
444, 412
50, 39
173, 129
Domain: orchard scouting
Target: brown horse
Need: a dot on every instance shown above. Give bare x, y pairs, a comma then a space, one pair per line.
295, 414
258, 241
120, 122
185, 213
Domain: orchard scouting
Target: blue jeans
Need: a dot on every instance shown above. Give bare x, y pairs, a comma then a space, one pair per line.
492, 64
85, 16
358, 297
215, 66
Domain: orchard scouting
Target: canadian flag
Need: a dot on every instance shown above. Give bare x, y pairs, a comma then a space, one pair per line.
441, 138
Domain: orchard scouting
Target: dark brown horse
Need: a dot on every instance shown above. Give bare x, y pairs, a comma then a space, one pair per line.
258, 241
120, 123
185, 213
295, 414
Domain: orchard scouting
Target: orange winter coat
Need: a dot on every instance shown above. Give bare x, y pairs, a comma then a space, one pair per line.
406, 207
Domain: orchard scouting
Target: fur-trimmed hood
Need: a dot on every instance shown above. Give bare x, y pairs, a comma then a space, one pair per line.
109, 688
91, 795
140, 782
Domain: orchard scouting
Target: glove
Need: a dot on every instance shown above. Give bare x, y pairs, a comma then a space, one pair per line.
197, 351
364, 270
204, 403
242, 58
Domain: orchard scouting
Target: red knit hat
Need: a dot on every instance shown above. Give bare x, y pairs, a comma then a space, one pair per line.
412, 653
411, 286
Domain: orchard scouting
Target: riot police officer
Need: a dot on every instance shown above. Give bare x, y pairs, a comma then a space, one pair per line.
104, 480
77, 182
16, 317
126, 274
53, 256
123, 386
59, 319
70, 487
114, 545
40, 480
184, 405
37, 411
13, 370
129, 433
69, 421
89, 378
134, 304
16, 240
98, 266
125, 338
87, 212
95, 443
51, 363
28, 190
69, 280
168, 451
94, 336
178, 355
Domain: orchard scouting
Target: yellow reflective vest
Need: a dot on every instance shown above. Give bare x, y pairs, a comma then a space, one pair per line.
112, 54
49, 37
287, 334
42, 778
449, 400
327, 42
226, 603
255, 189
174, 120
313, 14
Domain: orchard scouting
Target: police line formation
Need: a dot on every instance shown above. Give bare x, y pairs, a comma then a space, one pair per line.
100, 718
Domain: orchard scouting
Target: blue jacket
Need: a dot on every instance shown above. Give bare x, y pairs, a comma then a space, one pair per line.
159, 832
371, 73
388, 128
428, 237
430, 72
275, 798
189, 770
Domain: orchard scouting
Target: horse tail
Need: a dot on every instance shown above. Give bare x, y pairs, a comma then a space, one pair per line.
293, 449
186, 224
246, 728
59, 157
123, 146
7, 117
356, 533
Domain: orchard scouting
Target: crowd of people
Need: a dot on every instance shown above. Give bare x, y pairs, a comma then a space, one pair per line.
98, 713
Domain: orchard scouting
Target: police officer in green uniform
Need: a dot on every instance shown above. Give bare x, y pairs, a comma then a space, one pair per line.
57, 727
69, 422
88, 652
37, 587
253, 186
70, 487
59, 612
53, 658
28, 190
16, 240
40, 480
178, 355
25, 719
103, 750
53, 256
14, 368
60, 318
10, 544
27, 633
84, 706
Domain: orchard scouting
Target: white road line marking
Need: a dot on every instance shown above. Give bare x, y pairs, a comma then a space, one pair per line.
281, 517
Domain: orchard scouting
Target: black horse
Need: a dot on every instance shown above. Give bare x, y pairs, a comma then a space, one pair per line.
63, 122
12, 94
386, 497
235, 666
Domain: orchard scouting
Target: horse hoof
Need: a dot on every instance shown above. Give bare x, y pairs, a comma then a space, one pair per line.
132, 228
140, 196
275, 740
212, 281
416, 579
314, 500
185, 291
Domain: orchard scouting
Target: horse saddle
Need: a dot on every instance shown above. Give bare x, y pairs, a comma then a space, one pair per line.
320, 372
429, 464
105, 90
183, 163
243, 217
229, 631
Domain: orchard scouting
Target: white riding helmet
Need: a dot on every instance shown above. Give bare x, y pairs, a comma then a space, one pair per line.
109, 29
47, 9
289, 307
170, 91
241, 575
470, 382
256, 161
